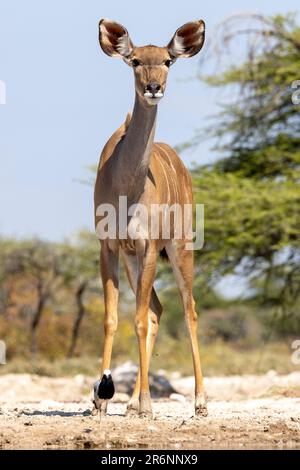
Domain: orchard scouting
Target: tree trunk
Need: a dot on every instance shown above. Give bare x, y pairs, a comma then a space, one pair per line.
35, 323
78, 319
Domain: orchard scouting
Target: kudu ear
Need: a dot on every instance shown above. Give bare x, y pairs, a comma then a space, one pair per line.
114, 39
188, 40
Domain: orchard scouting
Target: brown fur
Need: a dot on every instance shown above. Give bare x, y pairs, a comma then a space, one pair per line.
133, 165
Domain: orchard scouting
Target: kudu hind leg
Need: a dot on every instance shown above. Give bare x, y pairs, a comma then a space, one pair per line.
183, 266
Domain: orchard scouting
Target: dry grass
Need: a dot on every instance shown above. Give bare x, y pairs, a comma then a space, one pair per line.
218, 358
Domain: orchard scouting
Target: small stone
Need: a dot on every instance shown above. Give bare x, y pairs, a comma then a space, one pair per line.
177, 397
80, 380
120, 398
271, 373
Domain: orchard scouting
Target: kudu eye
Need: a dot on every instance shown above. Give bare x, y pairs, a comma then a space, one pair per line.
135, 63
168, 63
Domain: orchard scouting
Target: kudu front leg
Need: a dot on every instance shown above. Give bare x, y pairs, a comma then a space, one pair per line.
154, 315
109, 274
143, 296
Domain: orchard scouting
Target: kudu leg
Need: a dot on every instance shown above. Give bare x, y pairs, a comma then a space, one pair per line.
143, 297
154, 314
182, 261
109, 274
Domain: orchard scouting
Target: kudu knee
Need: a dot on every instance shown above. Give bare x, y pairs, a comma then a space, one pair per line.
110, 326
141, 326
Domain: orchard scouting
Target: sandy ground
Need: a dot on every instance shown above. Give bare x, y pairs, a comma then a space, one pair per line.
245, 412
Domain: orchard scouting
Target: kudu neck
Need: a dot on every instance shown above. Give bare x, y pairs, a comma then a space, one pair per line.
136, 149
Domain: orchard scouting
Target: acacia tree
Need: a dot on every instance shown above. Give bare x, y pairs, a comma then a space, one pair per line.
36, 261
79, 270
251, 194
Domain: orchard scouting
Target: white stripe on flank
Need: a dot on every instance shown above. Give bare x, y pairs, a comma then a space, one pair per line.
171, 176
161, 163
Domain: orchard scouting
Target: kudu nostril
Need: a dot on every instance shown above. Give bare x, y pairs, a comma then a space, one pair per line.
153, 87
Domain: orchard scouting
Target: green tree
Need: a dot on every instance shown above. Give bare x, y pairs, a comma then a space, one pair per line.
251, 194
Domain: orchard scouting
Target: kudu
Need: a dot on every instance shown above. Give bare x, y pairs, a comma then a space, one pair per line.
147, 173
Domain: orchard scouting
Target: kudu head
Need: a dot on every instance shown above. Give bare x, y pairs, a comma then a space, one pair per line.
151, 63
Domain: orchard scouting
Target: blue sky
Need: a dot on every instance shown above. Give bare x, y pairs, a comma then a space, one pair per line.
65, 98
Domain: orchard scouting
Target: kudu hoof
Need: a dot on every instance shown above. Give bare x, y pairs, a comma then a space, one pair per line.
147, 415
201, 405
133, 408
145, 409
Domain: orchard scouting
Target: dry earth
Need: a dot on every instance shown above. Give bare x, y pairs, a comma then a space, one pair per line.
245, 412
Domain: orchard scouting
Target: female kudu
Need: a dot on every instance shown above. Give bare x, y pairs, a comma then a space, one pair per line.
149, 174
